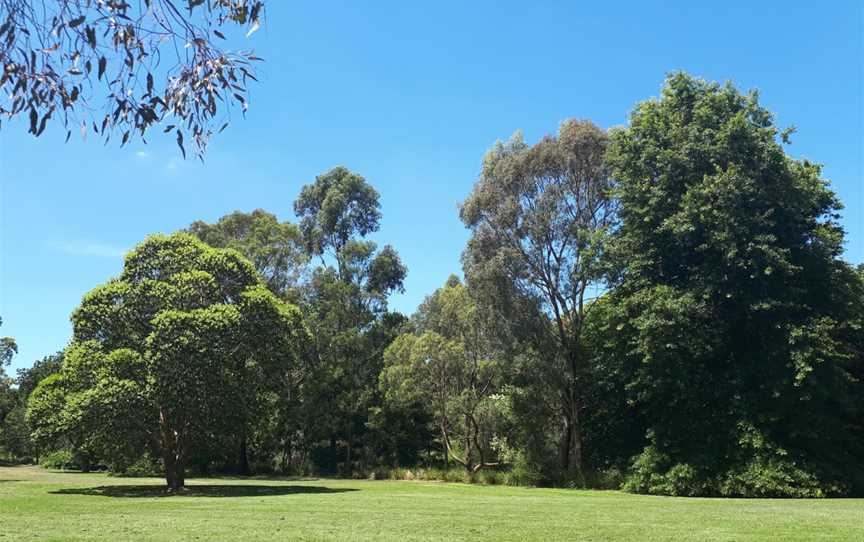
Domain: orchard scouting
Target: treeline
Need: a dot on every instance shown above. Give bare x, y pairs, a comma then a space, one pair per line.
662, 307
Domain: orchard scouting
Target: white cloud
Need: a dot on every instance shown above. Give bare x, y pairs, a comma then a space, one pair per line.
84, 248
142, 154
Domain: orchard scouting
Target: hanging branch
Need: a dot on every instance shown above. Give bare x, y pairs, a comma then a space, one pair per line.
112, 66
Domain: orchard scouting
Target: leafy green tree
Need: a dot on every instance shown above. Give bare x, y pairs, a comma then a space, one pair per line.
735, 300
338, 207
275, 248
278, 254
161, 355
346, 300
449, 366
539, 217
14, 432
8, 396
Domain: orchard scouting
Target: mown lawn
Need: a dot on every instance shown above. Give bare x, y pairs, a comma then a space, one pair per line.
40, 505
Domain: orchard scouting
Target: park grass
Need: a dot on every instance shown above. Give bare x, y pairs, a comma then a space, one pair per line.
36, 504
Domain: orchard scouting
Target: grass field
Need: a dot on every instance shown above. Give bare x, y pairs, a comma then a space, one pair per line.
41, 505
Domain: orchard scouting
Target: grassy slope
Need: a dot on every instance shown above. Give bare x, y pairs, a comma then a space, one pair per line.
41, 505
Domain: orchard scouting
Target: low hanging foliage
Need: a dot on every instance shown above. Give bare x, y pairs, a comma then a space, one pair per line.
116, 67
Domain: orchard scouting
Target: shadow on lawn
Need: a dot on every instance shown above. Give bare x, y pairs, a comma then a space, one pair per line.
228, 490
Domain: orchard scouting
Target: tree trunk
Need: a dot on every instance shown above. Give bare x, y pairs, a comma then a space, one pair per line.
175, 472
243, 457
85, 463
333, 458
564, 447
570, 447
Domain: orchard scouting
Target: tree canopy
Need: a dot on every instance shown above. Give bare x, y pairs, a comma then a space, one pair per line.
662, 307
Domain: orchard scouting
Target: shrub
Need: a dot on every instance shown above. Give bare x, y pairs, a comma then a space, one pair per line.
772, 477
144, 467
491, 477
650, 473
611, 478
60, 460
523, 474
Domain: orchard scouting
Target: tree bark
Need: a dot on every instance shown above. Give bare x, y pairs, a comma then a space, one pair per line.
85, 463
243, 456
174, 472
173, 455
570, 448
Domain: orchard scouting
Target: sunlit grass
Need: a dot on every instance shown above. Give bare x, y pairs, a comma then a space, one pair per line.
40, 505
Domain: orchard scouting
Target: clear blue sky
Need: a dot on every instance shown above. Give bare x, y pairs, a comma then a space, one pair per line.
411, 96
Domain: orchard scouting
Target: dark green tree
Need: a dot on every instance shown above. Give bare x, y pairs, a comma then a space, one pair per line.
735, 300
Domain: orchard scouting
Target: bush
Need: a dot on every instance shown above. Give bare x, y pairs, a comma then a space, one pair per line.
491, 477
523, 474
649, 474
144, 467
61, 460
611, 478
772, 477
764, 471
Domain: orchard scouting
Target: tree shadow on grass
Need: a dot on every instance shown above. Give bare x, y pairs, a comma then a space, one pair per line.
196, 490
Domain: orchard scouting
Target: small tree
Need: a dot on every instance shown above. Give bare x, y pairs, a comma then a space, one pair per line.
449, 367
160, 355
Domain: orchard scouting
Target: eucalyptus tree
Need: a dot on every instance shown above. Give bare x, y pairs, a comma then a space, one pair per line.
275, 248
116, 67
744, 319
347, 304
449, 366
539, 218
161, 355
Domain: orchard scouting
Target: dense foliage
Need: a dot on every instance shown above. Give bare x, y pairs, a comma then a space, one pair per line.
736, 302
663, 308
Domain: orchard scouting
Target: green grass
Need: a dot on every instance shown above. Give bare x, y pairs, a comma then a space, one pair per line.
41, 505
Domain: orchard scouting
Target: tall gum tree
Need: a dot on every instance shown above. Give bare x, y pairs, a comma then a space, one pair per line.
347, 299
539, 216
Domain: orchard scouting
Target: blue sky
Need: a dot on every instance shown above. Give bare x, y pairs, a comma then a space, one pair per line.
411, 95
